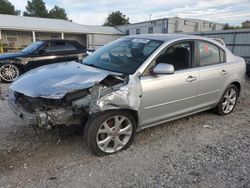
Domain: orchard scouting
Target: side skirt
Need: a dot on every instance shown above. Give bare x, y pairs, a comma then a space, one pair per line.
171, 119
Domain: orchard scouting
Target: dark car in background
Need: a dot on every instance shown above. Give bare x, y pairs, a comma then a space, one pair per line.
38, 54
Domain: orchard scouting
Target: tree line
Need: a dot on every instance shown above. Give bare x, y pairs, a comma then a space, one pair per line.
35, 8
244, 25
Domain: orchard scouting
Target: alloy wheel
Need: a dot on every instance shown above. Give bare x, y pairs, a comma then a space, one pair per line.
9, 72
229, 100
114, 133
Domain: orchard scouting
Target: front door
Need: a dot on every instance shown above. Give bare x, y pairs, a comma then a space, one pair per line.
168, 96
52, 52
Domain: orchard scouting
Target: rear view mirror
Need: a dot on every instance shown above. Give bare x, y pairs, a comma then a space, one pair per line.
163, 68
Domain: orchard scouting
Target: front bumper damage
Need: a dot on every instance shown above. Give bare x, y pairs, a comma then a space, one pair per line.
102, 96
45, 119
27, 117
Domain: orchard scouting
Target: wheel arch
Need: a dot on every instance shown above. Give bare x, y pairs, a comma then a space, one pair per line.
134, 113
18, 63
237, 85
21, 67
218, 108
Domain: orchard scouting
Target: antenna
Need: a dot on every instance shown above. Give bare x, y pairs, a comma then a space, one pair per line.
150, 15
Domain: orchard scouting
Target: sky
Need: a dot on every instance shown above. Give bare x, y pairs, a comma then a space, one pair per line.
94, 12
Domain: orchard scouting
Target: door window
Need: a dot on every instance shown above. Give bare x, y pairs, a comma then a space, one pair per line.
69, 47
138, 31
59, 46
222, 56
209, 54
150, 30
127, 32
179, 55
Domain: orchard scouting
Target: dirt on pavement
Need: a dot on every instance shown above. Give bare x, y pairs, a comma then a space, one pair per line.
204, 150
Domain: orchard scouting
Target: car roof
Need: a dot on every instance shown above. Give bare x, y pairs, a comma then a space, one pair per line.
58, 40
74, 42
164, 37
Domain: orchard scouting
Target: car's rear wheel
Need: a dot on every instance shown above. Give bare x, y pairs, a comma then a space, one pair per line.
228, 101
110, 132
9, 72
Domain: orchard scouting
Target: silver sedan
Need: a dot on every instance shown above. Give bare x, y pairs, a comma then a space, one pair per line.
131, 84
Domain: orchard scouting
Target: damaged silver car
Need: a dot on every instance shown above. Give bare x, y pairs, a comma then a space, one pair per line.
128, 85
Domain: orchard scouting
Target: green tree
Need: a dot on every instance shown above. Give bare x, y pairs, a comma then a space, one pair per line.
227, 27
246, 24
36, 8
7, 8
116, 18
58, 13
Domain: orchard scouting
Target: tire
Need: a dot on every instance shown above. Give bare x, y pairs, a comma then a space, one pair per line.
221, 108
102, 133
9, 72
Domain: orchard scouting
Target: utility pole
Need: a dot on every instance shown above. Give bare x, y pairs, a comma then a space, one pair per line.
150, 15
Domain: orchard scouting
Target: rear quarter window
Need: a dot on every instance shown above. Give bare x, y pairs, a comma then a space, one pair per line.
69, 47
59, 46
222, 56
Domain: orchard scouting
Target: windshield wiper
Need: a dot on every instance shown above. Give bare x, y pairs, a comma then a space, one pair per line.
91, 65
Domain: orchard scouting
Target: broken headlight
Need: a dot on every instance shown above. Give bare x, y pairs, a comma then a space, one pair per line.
69, 97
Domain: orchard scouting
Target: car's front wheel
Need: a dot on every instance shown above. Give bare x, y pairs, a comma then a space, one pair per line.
9, 72
228, 100
110, 132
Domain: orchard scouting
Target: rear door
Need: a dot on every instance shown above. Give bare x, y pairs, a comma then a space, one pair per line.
213, 72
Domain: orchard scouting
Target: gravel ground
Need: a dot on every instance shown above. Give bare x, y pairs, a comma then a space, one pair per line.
204, 150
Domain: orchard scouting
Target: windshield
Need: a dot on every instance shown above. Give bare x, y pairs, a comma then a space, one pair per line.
123, 56
33, 47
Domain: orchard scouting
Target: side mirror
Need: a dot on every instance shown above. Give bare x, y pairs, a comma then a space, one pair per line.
163, 68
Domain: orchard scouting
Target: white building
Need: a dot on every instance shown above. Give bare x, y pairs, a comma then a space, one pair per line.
170, 25
17, 32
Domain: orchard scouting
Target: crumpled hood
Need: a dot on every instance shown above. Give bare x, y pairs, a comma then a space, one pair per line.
54, 81
11, 55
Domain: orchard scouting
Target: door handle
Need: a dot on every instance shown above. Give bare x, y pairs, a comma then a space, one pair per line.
223, 73
191, 79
